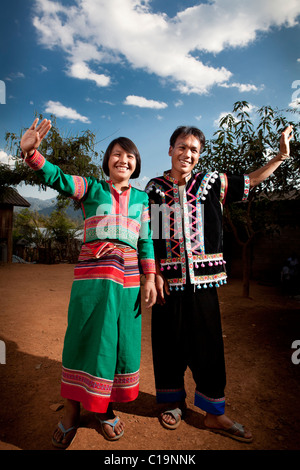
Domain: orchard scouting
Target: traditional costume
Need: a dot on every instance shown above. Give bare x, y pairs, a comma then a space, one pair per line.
186, 222
101, 355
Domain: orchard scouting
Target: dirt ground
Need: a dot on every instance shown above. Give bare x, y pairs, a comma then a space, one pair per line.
263, 386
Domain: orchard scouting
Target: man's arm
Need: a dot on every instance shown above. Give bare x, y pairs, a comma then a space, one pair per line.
258, 176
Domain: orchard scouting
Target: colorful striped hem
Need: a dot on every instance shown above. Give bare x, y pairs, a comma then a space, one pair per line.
95, 393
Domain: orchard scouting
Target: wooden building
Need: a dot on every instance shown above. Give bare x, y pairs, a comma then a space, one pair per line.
9, 198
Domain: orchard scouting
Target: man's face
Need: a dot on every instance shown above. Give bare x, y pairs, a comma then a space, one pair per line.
185, 154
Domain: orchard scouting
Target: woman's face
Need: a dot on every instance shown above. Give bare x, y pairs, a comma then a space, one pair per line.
121, 164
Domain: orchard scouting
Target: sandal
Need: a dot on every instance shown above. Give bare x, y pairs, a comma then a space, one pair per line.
113, 424
177, 414
236, 431
60, 444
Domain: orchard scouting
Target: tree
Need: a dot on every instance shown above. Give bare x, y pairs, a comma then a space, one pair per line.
241, 146
75, 155
55, 235
62, 231
28, 225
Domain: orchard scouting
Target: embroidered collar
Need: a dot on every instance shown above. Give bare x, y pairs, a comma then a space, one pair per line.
113, 186
168, 177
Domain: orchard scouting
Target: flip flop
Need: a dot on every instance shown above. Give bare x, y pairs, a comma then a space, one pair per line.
59, 444
176, 414
236, 431
113, 424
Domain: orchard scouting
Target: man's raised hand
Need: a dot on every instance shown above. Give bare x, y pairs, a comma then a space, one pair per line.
286, 136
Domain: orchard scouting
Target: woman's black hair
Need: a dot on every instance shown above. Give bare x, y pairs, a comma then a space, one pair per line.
129, 147
188, 130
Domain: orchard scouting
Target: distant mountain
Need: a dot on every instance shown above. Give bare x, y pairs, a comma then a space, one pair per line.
46, 206
37, 204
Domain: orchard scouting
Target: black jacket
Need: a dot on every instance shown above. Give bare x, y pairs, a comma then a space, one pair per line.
187, 233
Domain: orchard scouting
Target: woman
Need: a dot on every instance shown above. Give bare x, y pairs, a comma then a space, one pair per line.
101, 354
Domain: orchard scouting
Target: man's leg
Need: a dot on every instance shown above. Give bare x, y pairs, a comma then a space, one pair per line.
204, 342
206, 357
168, 353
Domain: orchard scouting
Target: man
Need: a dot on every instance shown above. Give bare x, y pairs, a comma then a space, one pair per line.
186, 325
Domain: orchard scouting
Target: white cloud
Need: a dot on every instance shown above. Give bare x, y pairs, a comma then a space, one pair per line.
6, 159
242, 87
61, 111
295, 104
178, 103
107, 102
82, 71
97, 32
142, 102
15, 75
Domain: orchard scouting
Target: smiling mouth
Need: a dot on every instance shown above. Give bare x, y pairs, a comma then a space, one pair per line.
118, 167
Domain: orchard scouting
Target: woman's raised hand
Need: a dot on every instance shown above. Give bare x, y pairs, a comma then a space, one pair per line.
34, 135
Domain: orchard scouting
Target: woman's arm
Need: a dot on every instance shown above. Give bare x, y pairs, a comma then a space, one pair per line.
51, 175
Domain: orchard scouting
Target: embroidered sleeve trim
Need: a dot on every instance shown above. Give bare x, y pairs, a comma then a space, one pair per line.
246, 187
145, 214
148, 266
224, 187
36, 161
80, 187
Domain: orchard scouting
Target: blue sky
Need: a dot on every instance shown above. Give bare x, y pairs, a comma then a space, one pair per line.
141, 68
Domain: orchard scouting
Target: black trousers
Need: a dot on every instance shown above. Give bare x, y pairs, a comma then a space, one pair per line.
187, 332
